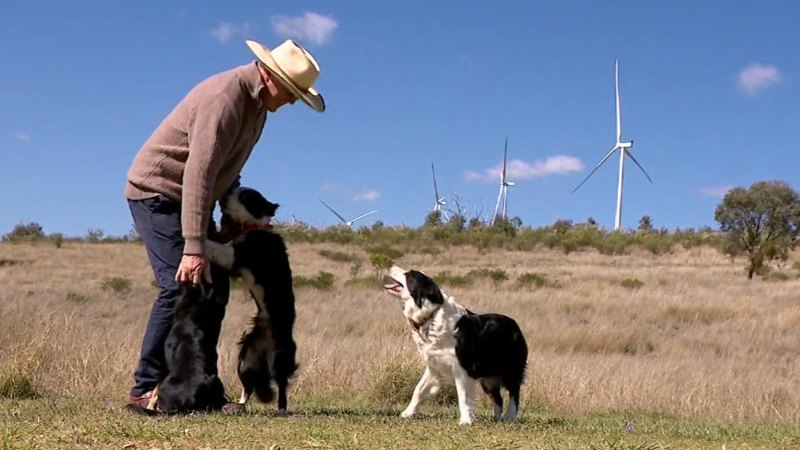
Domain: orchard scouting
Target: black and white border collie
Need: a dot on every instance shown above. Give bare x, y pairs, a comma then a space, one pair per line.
260, 258
459, 346
192, 382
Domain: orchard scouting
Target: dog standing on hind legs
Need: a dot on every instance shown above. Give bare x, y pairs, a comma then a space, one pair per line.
260, 258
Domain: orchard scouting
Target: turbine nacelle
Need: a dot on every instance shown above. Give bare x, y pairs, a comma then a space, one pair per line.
625, 144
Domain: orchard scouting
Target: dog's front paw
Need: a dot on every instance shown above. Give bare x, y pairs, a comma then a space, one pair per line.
407, 413
465, 421
282, 412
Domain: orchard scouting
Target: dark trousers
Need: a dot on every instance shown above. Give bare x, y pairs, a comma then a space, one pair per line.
158, 222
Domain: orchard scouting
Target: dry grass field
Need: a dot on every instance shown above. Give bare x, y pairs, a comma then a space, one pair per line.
634, 351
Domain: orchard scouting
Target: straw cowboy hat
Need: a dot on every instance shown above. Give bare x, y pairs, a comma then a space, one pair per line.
295, 67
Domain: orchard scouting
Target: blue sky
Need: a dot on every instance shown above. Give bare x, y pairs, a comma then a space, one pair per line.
708, 89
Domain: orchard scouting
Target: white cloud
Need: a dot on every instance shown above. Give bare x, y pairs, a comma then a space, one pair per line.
715, 191
755, 78
521, 170
365, 195
226, 31
310, 27
22, 136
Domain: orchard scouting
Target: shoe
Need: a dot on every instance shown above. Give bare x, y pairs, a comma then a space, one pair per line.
232, 408
140, 401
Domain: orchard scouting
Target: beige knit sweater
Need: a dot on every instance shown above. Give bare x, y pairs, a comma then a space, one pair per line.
197, 152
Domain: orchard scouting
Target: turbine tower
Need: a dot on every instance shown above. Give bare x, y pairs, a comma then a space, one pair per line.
624, 150
348, 223
504, 185
438, 201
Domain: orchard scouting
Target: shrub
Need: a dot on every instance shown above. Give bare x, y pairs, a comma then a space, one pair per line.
75, 297
31, 231
322, 281
532, 279
7, 262
392, 253
339, 256
380, 260
631, 283
57, 239
16, 384
119, 285
496, 275
446, 278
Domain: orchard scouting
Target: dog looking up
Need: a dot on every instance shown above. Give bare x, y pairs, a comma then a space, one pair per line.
260, 258
459, 346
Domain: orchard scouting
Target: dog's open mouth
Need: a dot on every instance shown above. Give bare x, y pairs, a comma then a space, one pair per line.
392, 285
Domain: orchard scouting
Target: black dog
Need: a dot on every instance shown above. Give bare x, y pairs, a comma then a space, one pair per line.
192, 382
260, 257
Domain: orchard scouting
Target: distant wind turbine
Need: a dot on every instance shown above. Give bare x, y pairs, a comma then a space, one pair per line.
346, 222
438, 201
504, 185
624, 150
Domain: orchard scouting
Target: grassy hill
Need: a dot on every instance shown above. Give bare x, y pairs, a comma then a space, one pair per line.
642, 350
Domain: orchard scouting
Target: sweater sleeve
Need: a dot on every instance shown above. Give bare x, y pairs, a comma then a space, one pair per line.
212, 130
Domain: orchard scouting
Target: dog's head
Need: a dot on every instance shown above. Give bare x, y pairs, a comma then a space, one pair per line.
418, 293
247, 206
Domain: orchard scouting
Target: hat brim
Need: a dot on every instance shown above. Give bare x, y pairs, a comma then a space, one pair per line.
311, 97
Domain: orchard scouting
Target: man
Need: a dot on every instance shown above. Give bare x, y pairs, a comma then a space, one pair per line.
188, 163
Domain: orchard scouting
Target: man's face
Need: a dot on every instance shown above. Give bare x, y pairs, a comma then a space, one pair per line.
278, 94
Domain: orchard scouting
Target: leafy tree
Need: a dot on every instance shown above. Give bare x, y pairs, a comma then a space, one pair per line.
762, 222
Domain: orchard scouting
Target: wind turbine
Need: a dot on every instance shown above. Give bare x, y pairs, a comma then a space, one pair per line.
438, 201
350, 222
624, 150
504, 185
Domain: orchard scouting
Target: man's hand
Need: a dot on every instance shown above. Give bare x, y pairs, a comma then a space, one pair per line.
193, 269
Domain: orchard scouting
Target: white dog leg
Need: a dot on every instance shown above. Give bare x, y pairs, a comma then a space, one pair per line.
220, 254
465, 387
244, 398
427, 385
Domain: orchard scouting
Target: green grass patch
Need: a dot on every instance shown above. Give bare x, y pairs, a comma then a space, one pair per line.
631, 283
83, 423
496, 275
337, 256
16, 384
119, 285
8, 262
322, 281
536, 280
448, 279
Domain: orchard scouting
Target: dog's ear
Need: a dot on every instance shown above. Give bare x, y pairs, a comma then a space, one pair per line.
257, 205
421, 286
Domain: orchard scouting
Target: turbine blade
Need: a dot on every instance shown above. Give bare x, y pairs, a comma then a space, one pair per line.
505, 154
364, 215
619, 113
497, 205
628, 152
608, 155
337, 214
435, 188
